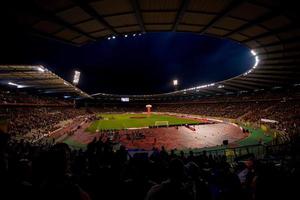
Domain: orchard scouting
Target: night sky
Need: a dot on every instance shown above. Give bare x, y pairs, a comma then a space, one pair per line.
134, 65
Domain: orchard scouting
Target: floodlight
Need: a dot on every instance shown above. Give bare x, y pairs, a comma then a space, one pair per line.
256, 62
175, 82
113, 37
253, 52
126, 35
41, 69
108, 38
76, 77
125, 99
17, 85
11, 83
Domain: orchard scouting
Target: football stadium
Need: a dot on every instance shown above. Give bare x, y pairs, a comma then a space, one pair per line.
149, 99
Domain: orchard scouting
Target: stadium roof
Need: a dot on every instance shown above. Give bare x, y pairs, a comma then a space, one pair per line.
271, 28
37, 78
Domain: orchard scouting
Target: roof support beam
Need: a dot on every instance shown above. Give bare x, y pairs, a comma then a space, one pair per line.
87, 8
283, 73
52, 87
274, 76
258, 80
180, 14
270, 33
62, 91
282, 42
139, 17
46, 15
279, 62
38, 79
281, 51
230, 88
239, 86
217, 90
47, 36
279, 67
250, 83
285, 57
252, 23
234, 4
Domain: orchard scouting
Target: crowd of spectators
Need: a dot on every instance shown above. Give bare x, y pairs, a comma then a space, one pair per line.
53, 171
14, 97
47, 171
281, 107
35, 122
286, 113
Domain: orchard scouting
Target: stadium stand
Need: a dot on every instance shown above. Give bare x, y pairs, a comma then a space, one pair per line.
34, 167
39, 112
36, 171
16, 98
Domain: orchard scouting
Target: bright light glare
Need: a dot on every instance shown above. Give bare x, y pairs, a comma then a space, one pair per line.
113, 37
17, 85
108, 38
41, 69
253, 52
256, 61
76, 77
124, 99
126, 35
11, 83
255, 64
175, 82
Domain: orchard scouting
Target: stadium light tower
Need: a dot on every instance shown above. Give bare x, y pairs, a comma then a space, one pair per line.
175, 83
76, 77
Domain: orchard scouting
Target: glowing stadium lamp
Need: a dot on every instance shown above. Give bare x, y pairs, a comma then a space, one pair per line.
108, 38
17, 85
175, 82
126, 35
140, 34
256, 61
41, 69
134, 35
125, 99
221, 86
253, 52
11, 83
255, 64
76, 77
113, 37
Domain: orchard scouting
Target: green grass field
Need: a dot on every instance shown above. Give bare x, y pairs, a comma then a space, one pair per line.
123, 121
